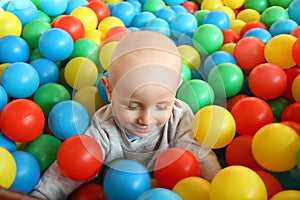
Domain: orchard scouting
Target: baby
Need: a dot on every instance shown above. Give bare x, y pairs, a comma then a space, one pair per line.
144, 118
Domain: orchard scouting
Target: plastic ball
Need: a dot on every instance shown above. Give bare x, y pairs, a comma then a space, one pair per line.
186, 38
13, 49
238, 152
248, 15
234, 4
249, 52
102, 90
183, 22
213, 126
250, 114
68, 118
230, 184
3, 98
273, 186
190, 56
199, 15
275, 147
72, 25
296, 51
192, 188
226, 79
130, 178
159, 193
237, 25
208, 38
109, 22
153, 5
80, 152
216, 58
124, 11
80, 72
53, 8
56, 44
90, 191
185, 72
258, 5
158, 25
44, 149
115, 33
196, 93
233, 100
87, 16
230, 36
190, 6
273, 14
294, 125
100, 8
252, 25
25, 10
267, 81
7, 143
290, 180
291, 73
287, 194
278, 105
28, 171
8, 168
173, 165
106, 53
211, 4
22, 120
260, 33
166, 14
293, 9
10, 24
72, 5
95, 35
283, 26
47, 70
218, 18
141, 19
229, 47
179, 9
174, 2
296, 88
20, 80
291, 112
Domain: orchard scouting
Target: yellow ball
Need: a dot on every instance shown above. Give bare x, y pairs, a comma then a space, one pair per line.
2, 68
275, 147
287, 195
248, 15
192, 188
8, 168
9, 24
211, 4
228, 47
214, 126
278, 50
237, 183
95, 35
109, 22
230, 13
87, 16
237, 25
106, 53
190, 56
296, 88
234, 4
80, 72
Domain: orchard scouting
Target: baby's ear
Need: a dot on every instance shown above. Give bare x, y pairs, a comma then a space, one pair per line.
108, 89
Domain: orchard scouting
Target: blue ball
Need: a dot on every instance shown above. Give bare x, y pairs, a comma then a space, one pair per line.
283, 26
7, 143
218, 18
159, 193
68, 118
216, 58
159, 25
3, 98
186, 38
25, 10
124, 11
47, 70
20, 80
126, 179
53, 8
56, 44
28, 172
197, 74
72, 5
141, 19
174, 2
179, 9
259, 33
136, 4
293, 11
101, 89
183, 22
13, 49
166, 14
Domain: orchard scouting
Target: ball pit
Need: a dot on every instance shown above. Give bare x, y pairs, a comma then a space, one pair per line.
261, 33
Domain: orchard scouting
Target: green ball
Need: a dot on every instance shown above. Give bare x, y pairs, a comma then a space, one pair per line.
207, 38
43, 16
196, 93
49, 95
298, 160
278, 105
258, 5
186, 73
44, 149
35, 54
33, 30
282, 3
87, 48
199, 15
153, 5
273, 14
226, 79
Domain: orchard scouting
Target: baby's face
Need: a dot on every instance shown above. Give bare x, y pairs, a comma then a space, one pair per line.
147, 110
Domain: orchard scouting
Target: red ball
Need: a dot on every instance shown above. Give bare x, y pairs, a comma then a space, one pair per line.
239, 152
22, 120
88, 191
233, 100
115, 34
174, 164
251, 25
273, 185
100, 8
291, 74
80, 157
230, 36
294, 125
296, 32
72, 25
267, 81
190, 6
296, 51
291, 113
249, 52
250, 114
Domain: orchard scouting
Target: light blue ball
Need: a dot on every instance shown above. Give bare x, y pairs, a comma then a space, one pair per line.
141, 19
101, 89
166, 14
7, 143
159, 25
28, 172
282, 26
3, 98
13, 49
47, 70
53, 8
159, 193
293, 11
20, 80
259, 33
174, 2
218, 18
179, 9
136, 4
73, 4
183, 22
124, 11
68, 118
186, 38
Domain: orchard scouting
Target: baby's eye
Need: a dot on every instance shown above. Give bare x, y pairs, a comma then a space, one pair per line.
162, 107
134, 106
